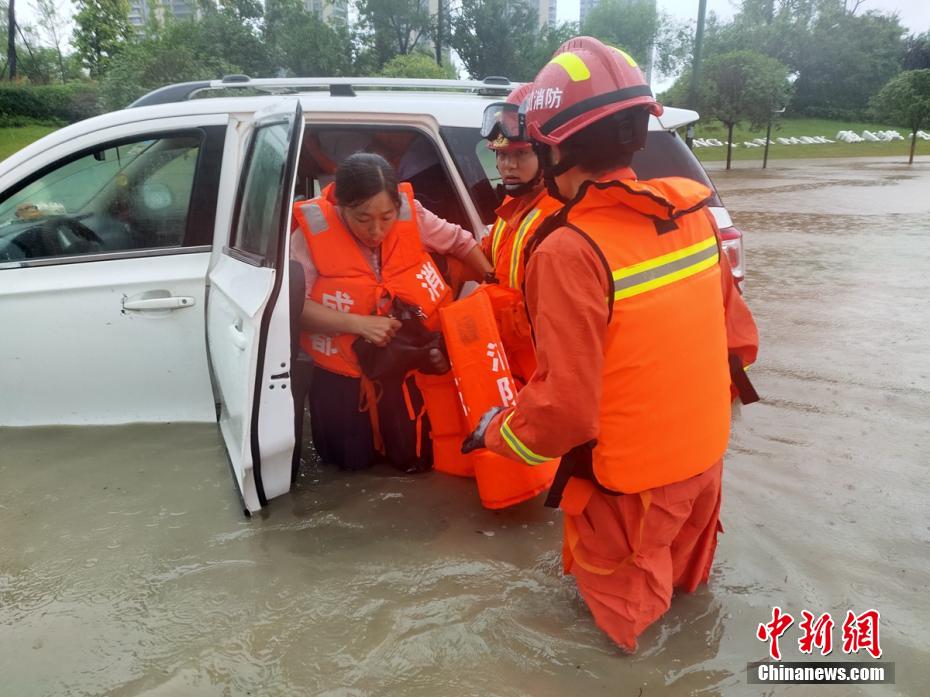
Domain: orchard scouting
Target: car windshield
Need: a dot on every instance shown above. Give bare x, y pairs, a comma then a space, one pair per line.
665, 155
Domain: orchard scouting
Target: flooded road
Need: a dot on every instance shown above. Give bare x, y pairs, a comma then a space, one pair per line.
127, 568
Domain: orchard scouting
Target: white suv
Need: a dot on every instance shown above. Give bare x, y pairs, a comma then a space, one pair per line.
144, 270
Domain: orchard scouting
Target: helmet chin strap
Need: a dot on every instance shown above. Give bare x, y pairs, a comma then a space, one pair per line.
526, 187
551, 171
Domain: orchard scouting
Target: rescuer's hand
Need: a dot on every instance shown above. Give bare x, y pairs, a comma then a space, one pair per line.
475, 439
377, 330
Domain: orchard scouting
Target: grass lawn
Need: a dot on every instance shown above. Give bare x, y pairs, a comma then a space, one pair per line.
13, 139
787, 128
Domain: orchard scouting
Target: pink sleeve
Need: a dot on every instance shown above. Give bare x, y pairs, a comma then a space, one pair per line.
439, 235
301, 254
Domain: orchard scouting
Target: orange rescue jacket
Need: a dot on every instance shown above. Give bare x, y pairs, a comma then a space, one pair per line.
347, 282
518, 220
665, 408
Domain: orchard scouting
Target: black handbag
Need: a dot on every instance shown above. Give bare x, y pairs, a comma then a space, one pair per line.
408, 350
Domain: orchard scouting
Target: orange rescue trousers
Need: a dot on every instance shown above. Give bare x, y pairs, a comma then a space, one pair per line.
628, 553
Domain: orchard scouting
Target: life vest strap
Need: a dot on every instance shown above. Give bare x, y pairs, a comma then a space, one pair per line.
411, 412
577, 462
368, 397
744, 387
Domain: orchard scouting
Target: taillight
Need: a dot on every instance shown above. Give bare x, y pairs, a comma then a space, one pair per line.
732, 242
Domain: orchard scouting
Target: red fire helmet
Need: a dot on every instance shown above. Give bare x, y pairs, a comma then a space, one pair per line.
585, 81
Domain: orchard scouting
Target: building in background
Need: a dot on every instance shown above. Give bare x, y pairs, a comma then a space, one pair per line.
547, 12
584, 8
333, 12
140, 11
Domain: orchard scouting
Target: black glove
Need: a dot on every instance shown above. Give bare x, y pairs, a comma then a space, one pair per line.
475, 439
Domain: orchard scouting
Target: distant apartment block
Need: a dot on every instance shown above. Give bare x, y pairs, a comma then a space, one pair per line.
547, 12
140, 11
584, 8
333, 12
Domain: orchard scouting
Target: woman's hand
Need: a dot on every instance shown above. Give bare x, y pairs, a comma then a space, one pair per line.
377, 330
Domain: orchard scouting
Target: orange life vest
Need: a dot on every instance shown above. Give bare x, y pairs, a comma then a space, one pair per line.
346, 281
518, 220
483, 381
665, 400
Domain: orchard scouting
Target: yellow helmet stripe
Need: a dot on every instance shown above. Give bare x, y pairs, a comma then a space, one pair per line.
574, 66
626, 56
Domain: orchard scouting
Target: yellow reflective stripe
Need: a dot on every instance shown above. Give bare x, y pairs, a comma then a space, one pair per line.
574, 66
517, 253
668, 268
626, 56
665, 258
665, 280
524, 453
497, 234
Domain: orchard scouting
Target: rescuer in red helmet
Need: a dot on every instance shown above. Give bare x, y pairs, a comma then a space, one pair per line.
525, 206
634, 312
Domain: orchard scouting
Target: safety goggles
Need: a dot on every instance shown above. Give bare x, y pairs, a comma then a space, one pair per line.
503, 119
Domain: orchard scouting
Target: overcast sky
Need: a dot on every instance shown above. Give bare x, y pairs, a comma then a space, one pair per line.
914, 14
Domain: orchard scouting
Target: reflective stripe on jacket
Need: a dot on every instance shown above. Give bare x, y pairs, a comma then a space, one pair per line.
517, 220
347, 282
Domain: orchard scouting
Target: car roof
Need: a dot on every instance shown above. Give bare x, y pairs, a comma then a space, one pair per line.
459, 106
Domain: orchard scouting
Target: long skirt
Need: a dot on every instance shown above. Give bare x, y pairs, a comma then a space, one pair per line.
342, 431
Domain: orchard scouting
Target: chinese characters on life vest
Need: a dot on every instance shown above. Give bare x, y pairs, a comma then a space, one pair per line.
859, 632
340, 301
431, 281
505, 386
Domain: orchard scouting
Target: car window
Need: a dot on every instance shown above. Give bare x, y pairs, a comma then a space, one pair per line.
123, 196
259, 217
477, 166
666, 155
411, 152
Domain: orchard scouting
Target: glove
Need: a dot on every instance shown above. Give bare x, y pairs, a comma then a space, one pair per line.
475, 439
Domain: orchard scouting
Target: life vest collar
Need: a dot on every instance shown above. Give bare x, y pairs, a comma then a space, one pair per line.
665, 199
515, 205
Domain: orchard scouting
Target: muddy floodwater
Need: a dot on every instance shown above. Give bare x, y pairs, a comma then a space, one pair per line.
127, 567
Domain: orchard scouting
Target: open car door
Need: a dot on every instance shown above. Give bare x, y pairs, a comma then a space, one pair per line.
248, 328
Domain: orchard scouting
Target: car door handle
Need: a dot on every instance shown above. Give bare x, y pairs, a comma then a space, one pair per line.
238, 336
170, 302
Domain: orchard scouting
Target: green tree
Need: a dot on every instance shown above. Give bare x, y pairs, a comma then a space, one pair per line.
742, 86
178, 54
497, 37
417, 65
916, 52
841, 57
638, 27
300, 43
102, 30
52, 23
395, 26
905, 99
230, 32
